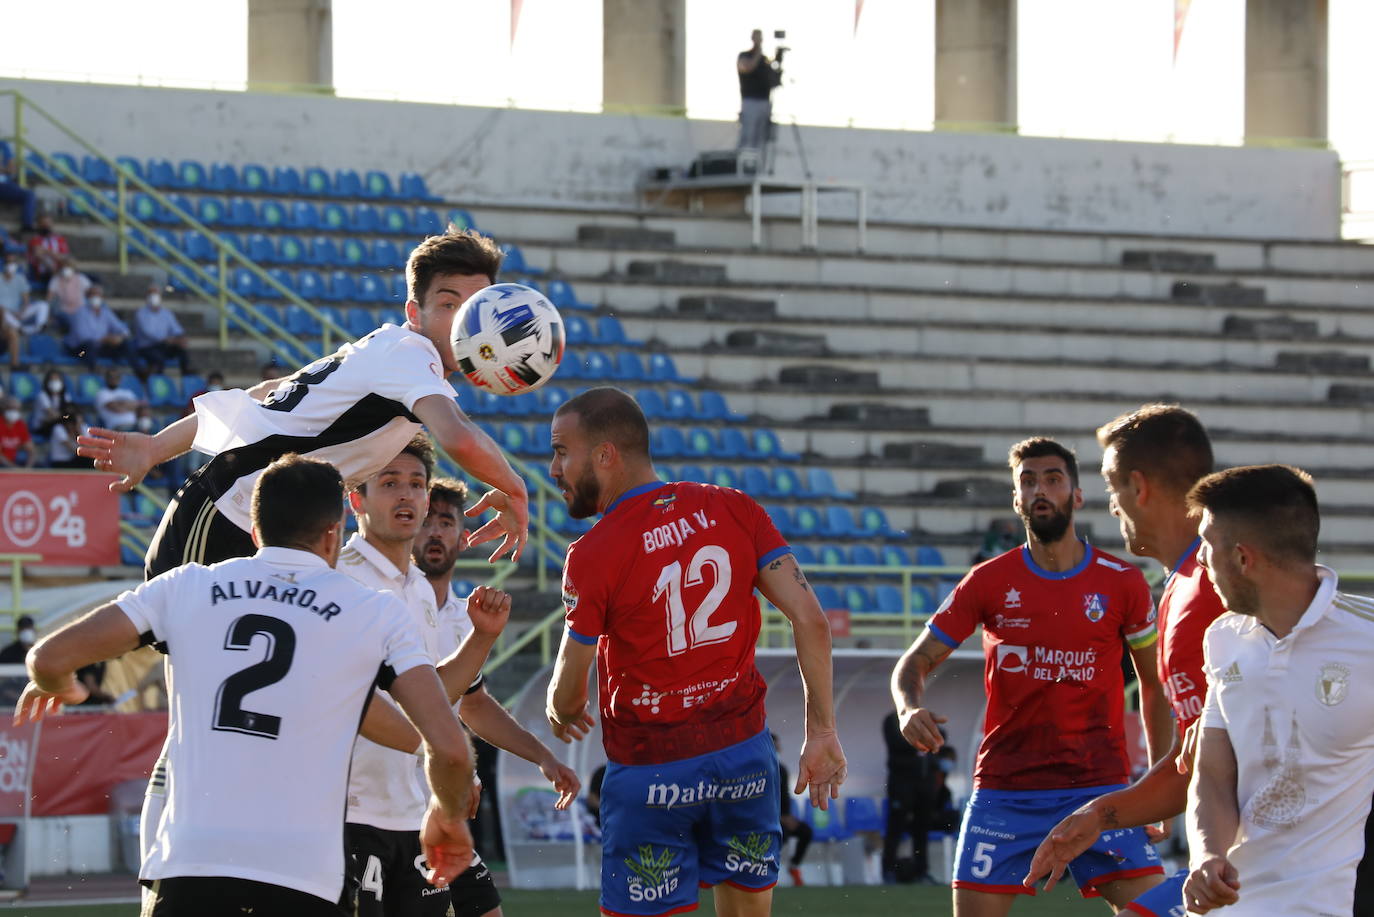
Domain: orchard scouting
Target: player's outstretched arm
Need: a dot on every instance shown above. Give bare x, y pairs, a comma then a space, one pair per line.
133, 455
485, 716
444, 837
822, 767
481, 457
1213, 819
489, 610
567, 700
920, 725
52, 662
1158, 796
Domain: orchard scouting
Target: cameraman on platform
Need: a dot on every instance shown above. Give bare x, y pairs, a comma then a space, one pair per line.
758, 77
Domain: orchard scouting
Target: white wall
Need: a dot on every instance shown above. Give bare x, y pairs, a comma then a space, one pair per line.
503, 155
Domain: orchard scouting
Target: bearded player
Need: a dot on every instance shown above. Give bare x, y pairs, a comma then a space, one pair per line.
1057, 615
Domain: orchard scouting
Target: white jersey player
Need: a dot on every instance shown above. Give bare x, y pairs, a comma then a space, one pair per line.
273, 659
1285, 765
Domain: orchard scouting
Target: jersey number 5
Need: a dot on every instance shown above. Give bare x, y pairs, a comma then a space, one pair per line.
281, 647
683, 636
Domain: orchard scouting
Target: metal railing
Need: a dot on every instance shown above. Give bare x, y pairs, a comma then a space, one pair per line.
16, 562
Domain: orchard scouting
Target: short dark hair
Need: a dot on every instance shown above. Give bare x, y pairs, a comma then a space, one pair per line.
457, 251
1276, 505
449, 490
295, 500
1039, 446
610, 415
420, 447
1163, 441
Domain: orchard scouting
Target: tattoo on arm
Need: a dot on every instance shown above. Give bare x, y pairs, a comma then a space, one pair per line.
1109, 817
800, 577
776, 565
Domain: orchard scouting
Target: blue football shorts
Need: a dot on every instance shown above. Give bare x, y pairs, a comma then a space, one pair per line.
1164, 900
1002, 828
668, 829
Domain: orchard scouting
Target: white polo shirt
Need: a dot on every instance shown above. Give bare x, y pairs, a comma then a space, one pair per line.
382, 788
1301, 719
271, 658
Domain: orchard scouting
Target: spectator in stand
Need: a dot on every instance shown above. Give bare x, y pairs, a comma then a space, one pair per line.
97, 332
1002, 535
12, 193
67, 292
24, 637
213, 383
117, 405
14, 436
46, 249
62, 442
50, 404
14, 302
158, 336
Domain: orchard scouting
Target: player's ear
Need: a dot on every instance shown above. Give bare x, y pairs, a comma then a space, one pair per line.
355, 502
1140, 486
413, 312
257, 539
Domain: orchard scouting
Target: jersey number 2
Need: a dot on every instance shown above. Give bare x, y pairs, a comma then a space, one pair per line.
281, 647
684, 635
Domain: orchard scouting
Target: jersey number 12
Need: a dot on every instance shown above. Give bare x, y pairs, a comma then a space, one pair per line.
682, 634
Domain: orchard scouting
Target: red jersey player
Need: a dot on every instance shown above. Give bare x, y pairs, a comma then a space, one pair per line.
1056, 614
1152, 457
661, 593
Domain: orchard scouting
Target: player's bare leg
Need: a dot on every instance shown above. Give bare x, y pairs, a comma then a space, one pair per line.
1121, 892
740, 902
969, 902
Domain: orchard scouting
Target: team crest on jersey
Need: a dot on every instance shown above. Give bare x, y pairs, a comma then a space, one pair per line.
1013, 599
1094, 606
665, 502
1333, 683
569, 596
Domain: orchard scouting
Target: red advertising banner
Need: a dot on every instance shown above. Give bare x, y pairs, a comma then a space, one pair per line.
69, 517
82, 757
18, 752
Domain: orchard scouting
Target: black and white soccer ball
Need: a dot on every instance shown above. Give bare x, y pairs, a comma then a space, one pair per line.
508, 339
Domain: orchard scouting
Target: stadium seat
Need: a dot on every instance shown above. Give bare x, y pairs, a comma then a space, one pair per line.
290, 250
347, 183
576, 330
662, 368
858, 599
377, 185
650, 402
781, 518
723, 476
180, 208
97, 171
67, 161
352, 252
864, 555
324, 252
863, 813
514, 437
272, 215
309, 284
427, 222
85, 387
700, 442
922, 601
233, 240
825, 823
192, 175
610, 333
242, 213
671, 443
365, 219
412, 186
395, 220
254, 178
839, 523
804, 555
283, 277
713, 407
333, 217
398, 292
286, 181
785, 482
887, 599
211, 211
131, 165
894, 556
24, 386
819, 483
144, 207
386, 255
693, 473
461, 218
766, 445
224, 178
561, 294
733, 444
808, 521
245, 283
340, 287
315, 182
361, 322
929, 556
541, 440
300, 322
162, 392
596, 365
828, 596
551, 397
572, 367
628, 368
262, 248
42, 348
754, 481
514, 261
832, 555
161, 174
303, 216
191, 385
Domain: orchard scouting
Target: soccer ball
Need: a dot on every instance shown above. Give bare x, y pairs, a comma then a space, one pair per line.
508, 339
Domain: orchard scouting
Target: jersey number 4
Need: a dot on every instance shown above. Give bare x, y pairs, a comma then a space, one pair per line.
682, 634
281, 647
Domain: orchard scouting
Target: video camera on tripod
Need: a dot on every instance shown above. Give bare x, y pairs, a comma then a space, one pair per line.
776, 69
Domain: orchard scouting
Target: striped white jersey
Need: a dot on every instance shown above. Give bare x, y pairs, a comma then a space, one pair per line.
271, 661
351, 409
1301, 721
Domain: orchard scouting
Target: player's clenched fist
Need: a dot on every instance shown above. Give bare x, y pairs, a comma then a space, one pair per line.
1214, 883
489, 610
921, 728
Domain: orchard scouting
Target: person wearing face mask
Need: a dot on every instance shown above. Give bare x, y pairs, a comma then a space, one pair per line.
97, 332
14, 302
158, 336
14, 436
50, 404
24, 637
68, 291
117, 405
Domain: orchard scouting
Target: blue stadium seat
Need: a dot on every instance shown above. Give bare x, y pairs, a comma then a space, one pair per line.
272, 215
132, 165
767, 446
887, 599
395, 220
820, 484
286, 181
262, 248
162, 392
922, 601
180, 207
866, 555
863, 813
254, 178
461, 218
671, 443
572, 367
895, 556
242, 213
551, 397
211, 211
303, 216
627, 367
733, 444
513, 437
929, 556
873, 523
832, 555
700, 442
347, 183
245, 283
391, 316
754, 481
144, 207
576, 329
804, 555
398, 292
224, 178
427, 222
839, 523
781, 518
161, 174
291, 250
24, 386
68, 161
309, 284
84, 388
714, 407
514, 261
42, 348
193, 175
97, 171
315, 182
360, 322
334, 217
541, 439
858, 599
561, 294
679, 404
808, 520
662, 368
234, 241
723, 476
129, 557
324, 252
386, 255
191, 385
377, 185
825, 823
334, 315
650, 402
692, 473
365, 219
340, 287
828, 596
610, 332
412, 186
281, 276
785, 482
352, 252
300, 322
596, 365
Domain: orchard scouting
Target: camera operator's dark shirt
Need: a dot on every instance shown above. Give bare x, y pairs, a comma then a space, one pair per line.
757, 83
